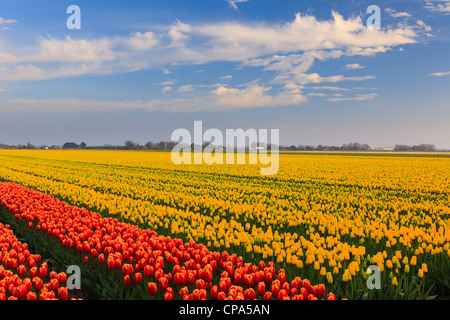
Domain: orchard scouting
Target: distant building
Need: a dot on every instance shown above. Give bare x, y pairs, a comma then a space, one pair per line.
384, 149
71, 145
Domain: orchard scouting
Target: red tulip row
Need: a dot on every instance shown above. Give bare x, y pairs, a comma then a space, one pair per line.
20, 278
165, 266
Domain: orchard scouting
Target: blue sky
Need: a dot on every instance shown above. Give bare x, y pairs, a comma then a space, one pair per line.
140, 69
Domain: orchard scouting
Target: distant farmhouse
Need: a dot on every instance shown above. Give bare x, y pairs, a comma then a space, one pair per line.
71, 145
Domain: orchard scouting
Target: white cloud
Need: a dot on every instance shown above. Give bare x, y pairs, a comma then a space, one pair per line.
396, 14
69, 50
305, 78
352, 66
440, 74
142, 41
317, 94
186, 88
233, 3
441, 6
165, 71
331, 88
424, 26
6, 58
164, 83
178, 33
33, 72
221, 98
166, 89
255, 96
359, 97
228, 77
6, 21
4, 90
305, 33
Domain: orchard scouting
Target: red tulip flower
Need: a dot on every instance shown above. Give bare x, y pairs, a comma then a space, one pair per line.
248, 280
138, 278
286, 287
54, 284
38, 284
191, 277
214, 292
163, 283
22, 271
111, 264
149, 271
30, 296
127, 269
63, 294
152, 288
304, 293
275, 289
268, 295
43, 271
331, 296
269, 277
320, 291
282, 277
308, 286
237, 278
221, 296
183, 292
261, 288
250, 294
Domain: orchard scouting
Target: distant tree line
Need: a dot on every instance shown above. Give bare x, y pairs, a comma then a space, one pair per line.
420, 147
130, 145
353, 146
169, 145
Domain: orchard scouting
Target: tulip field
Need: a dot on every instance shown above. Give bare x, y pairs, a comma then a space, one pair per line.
141, 227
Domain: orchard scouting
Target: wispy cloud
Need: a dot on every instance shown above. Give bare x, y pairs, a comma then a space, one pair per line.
331, 88
6, 21
352, 66
442, 6
359, 97
233, 3
440, 74
317, 94
186, 88
396, 14
219, 99
166, 89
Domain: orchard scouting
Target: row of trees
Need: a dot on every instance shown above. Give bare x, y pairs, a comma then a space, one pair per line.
420, 147
353, 146
169, 145
162, 145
